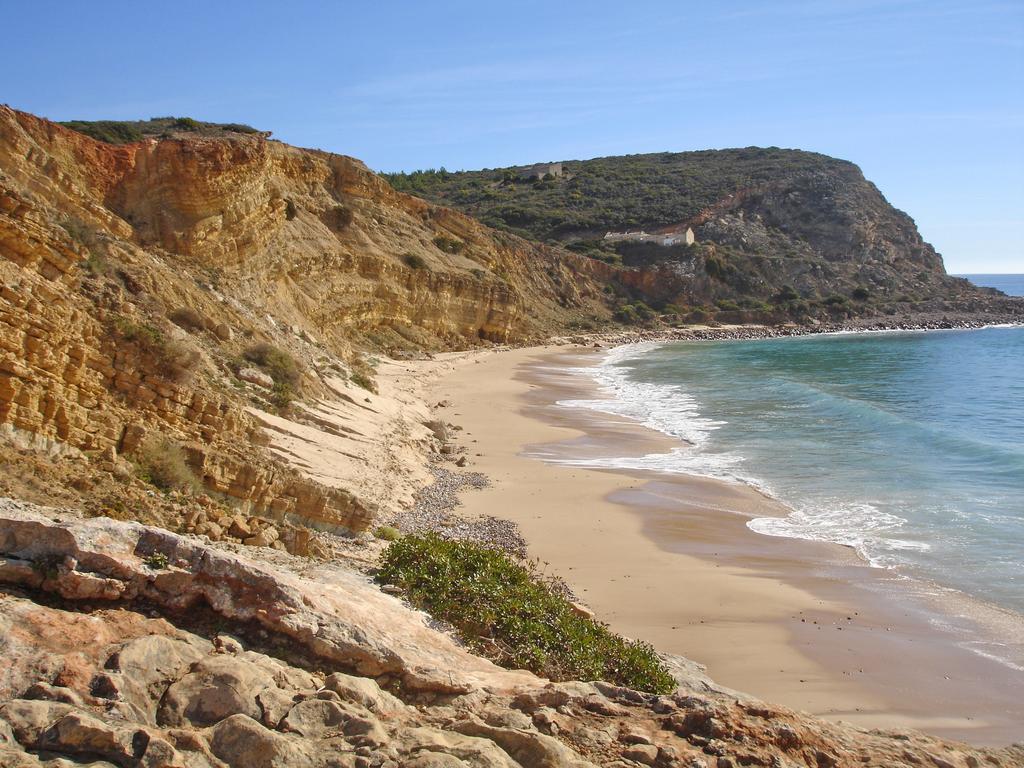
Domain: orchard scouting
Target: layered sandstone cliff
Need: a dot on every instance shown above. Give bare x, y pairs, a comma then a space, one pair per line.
241, 241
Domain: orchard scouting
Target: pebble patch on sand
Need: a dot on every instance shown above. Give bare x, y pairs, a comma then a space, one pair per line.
435, 511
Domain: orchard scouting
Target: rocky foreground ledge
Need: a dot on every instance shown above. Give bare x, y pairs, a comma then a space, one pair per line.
125, 645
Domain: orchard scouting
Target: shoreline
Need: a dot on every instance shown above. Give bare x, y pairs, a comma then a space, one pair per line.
778, 618
756, 331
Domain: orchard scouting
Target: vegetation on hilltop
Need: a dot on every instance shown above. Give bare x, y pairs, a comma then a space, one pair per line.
781, 234
507, 611
127, 131
609, 193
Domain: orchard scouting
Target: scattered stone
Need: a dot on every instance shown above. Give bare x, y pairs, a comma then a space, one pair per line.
257, 377
439, 429
314, 717
240, 527
632, 735
581, 610
223, 332
435, 511
363, 692
646, 754
241, 741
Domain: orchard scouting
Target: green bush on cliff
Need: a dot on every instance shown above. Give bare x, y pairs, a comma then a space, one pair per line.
449, 244
185, 124
635, 312
361, 379
414, 261
612, 193
127, 131
161, 461
173, 358
507, 611
282, 367
109, 131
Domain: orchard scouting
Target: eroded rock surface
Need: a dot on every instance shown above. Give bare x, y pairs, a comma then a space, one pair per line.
216, 660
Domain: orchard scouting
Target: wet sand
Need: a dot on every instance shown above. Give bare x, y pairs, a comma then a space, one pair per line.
668, 558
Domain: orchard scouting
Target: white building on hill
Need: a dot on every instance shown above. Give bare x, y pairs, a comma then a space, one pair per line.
674, 238
540, 170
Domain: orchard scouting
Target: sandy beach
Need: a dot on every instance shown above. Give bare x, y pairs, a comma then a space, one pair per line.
668, 559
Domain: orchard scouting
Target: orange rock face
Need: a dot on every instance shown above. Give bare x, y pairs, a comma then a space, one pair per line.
100, 245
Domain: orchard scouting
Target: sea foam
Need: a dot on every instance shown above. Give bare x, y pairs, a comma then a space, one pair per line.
670, 410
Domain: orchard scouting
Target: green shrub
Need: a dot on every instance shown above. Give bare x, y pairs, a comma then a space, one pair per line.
361, 379
413, 261
750, 302
282, 395
175, 359
714, 267
506, 611
157, 561
614, 259
125, 131
644, 311
798, 308
185, 124
788, 293
188, 318
161, 461
835, 300
634, 312
109, 131
449, 244
178, 360
239, 128
861, 293
727, 305
388, 533
611, 193
278, 363
143, 334
96, 264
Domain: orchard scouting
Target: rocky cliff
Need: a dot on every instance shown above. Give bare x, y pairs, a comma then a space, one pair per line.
778, 232
193, 331
143, 286
129, 646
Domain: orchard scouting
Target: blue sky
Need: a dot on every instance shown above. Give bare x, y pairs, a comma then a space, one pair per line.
926, 96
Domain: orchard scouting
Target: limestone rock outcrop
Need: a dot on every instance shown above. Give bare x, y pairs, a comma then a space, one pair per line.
210, 659
331, 613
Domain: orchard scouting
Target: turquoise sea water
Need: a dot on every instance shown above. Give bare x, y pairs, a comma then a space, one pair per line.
908, 446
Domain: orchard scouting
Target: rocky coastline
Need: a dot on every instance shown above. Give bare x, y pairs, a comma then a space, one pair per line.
206, 418
752, 332
175, 653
